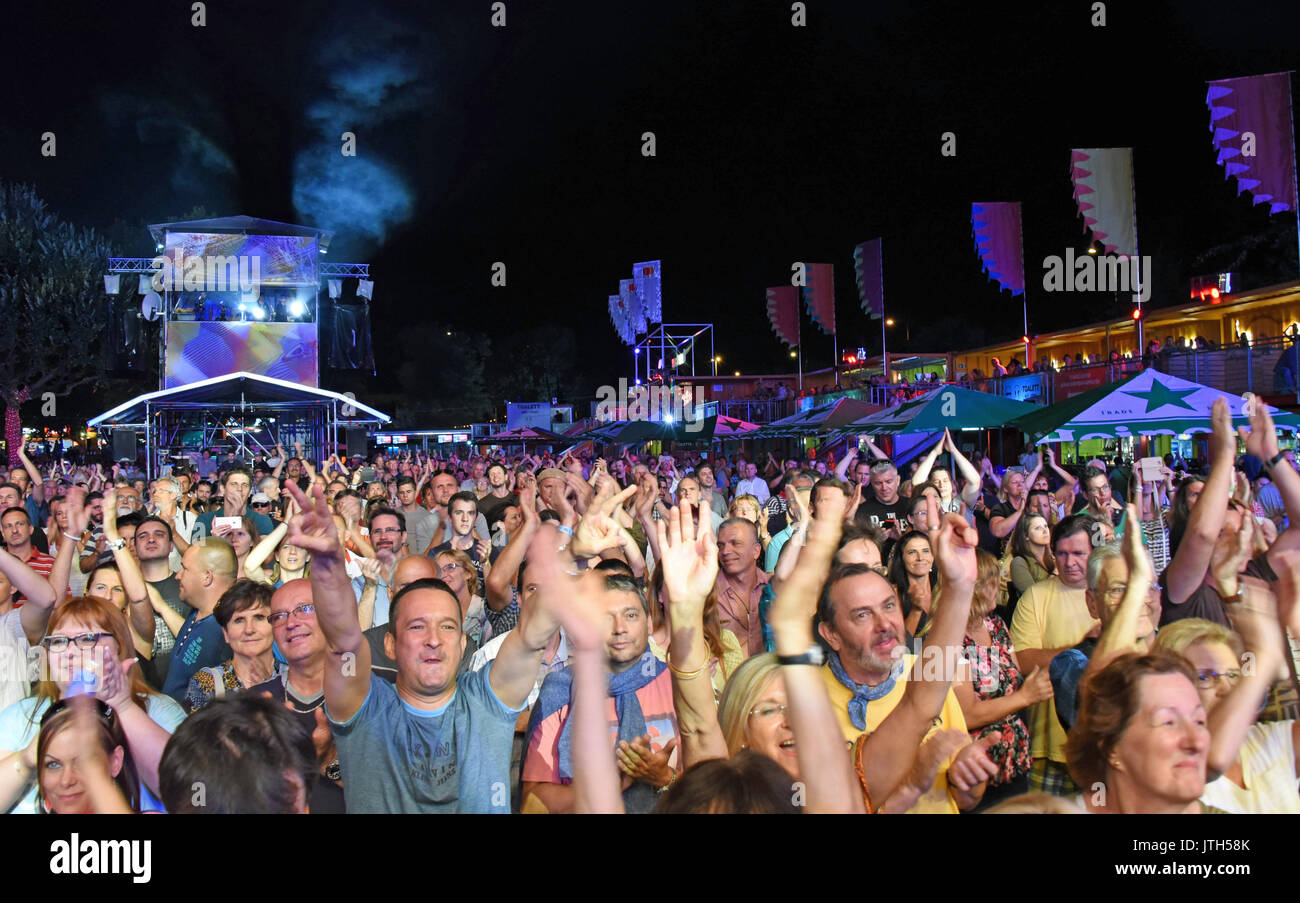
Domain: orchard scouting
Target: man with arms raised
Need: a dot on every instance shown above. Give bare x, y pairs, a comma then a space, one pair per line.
429, 742
867, 672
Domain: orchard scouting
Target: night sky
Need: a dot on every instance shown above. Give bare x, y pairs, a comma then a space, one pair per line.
523, 145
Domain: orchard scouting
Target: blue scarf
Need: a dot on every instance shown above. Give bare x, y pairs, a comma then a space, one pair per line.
862, 694
557, 692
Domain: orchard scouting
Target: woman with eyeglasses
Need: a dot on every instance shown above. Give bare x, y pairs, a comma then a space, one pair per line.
89, 635
1263, 776
79, 763
458, 572
244, 614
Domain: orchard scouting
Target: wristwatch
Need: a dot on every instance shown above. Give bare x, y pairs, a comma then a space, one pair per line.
1272, 462
116, 545
814, 656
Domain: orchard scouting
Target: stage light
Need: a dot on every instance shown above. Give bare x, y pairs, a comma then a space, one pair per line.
794, 354
737, 373
1137, 313
636, 351
1092, 250
668, 418
259, 313
297, 309
889, 322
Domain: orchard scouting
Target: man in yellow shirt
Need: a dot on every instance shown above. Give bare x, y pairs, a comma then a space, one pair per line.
1053, 616
860, 618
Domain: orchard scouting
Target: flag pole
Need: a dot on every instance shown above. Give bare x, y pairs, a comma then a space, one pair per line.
884, 348
1295, 182
1136, 267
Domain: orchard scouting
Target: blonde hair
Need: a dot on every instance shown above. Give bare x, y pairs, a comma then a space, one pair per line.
747, 684
1036, 804
758, 509
1183, 634
466, 564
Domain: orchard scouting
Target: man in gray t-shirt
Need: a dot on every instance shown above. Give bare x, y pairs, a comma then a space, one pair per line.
433, 741
399, 758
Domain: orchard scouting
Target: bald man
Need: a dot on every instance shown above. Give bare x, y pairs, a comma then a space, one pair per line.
301, 687
407, 570
208, 569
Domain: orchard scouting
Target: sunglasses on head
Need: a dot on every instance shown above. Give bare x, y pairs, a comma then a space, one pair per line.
102, 709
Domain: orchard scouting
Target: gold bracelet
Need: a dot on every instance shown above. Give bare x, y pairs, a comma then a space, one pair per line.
688, 675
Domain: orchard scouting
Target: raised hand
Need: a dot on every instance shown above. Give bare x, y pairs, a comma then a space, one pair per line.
955, 543
689, 562
1135, 556
314, 529
114, 684
74, 505
1224, 441
1261, 439
370, 570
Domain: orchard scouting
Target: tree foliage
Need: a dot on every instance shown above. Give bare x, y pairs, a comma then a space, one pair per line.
51, 298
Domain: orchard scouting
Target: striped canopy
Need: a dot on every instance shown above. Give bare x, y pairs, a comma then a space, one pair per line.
824, 418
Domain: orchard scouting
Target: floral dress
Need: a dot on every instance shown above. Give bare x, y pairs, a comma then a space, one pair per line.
994, 675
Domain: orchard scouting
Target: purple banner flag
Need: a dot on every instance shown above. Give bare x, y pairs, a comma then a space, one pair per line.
1103, 192
1250, 124
819, 295
783, 313
647, 278
868, 268
999, 241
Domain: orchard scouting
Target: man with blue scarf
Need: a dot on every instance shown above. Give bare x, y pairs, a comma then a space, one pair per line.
642, 721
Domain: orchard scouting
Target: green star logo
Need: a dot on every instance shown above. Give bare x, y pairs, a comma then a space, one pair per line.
1160, 395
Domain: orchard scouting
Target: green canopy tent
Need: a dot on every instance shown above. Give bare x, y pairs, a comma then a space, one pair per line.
947, 407
1149, 403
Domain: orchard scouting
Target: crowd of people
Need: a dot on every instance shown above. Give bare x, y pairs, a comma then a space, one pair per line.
548, 634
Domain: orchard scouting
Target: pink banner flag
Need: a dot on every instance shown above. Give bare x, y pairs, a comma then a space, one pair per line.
999, 242
783, 313
868, 267
1250, 124
1103, 193
819, 295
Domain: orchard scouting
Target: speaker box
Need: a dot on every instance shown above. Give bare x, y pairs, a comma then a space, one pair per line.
356, 441
124, 445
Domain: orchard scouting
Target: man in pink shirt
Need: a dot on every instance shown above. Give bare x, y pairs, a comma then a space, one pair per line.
740, 582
